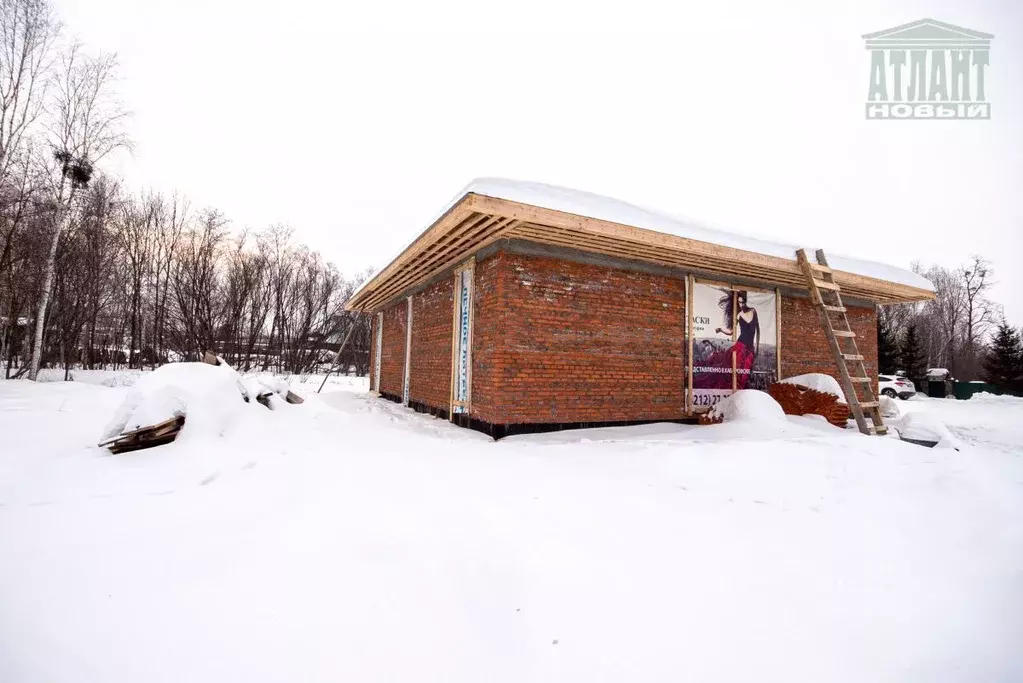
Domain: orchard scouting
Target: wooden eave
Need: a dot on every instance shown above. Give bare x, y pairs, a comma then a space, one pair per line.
476, 221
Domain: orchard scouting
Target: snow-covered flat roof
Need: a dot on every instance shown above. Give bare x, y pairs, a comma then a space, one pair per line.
607, 210
617, 211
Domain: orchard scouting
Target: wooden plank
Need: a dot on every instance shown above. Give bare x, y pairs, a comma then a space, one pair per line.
453, 246
473, 228
454, 344
406, 377
383, 300
551, 217
472, 306
582, 242
434, 243
735, 333
870, 404
852, 356
844, 333
451, 217
860, 379
824, 284
689, 364
836, 351
834, 309
777, 331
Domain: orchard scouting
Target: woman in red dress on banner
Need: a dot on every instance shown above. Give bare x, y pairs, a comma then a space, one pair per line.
747, 346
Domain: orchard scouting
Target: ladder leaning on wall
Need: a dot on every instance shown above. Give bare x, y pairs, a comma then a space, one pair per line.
821, 282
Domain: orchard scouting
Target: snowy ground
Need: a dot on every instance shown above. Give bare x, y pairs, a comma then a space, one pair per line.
348, 539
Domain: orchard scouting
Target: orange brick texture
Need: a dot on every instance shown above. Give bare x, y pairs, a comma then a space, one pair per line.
432, 316
560, 342
563, 342
392, 355
804, 347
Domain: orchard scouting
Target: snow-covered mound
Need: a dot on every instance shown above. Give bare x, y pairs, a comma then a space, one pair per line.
207, 395
749, 405
926, 427
889, 407
987, 396
818, 381
271, 390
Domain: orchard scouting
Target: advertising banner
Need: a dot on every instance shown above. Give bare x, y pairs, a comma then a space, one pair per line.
462, 350
760, 316
735, 334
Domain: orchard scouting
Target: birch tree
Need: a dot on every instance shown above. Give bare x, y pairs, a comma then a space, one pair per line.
87, 125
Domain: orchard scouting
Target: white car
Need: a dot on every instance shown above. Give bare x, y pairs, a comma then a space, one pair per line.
893, 386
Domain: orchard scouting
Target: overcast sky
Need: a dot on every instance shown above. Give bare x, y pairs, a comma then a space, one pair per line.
356, 122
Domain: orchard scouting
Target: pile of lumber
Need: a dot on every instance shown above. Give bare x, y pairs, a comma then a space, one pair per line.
265, 392
146, 437
796, 399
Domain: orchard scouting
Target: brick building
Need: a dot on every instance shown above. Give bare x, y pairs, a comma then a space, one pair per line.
525, 307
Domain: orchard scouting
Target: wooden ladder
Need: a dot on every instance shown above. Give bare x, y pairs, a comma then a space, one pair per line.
821, 281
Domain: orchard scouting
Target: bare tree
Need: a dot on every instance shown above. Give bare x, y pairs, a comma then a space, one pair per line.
198, 290
979, 312
87, 125
135, 232
28, 29
169, 225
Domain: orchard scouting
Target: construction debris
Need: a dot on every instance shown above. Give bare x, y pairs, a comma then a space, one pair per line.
797, 399
207, 393
146, 437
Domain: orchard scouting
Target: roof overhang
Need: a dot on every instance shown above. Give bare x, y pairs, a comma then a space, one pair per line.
476, 221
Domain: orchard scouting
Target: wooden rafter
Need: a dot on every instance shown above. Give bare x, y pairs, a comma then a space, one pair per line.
476, 221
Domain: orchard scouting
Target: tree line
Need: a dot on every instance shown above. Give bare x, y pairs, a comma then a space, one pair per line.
961, 330
95, 276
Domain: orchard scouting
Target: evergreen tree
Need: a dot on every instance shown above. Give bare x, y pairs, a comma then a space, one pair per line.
1003, 366
913, 359
889, 355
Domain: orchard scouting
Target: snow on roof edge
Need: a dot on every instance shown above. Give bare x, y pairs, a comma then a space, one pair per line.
600, 207
618, 211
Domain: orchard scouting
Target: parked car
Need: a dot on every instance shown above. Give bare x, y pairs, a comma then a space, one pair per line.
896, 386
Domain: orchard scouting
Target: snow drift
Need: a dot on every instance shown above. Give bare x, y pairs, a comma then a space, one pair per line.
209, 396
888, 406
818, 381
926, 427
351, 539
749, 405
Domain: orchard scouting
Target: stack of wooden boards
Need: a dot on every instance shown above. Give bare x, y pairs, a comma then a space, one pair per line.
146, 437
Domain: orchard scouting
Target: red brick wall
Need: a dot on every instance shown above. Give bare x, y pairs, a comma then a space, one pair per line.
489, 341
392, 356
804, 348
557, 341
432, 316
